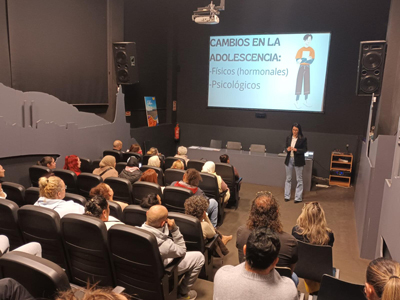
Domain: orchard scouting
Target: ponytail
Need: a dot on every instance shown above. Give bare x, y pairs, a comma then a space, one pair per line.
391, 291
384, 276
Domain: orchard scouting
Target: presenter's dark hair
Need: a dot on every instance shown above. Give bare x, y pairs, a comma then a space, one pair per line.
307, 36
224, 158
298, 126
262, 248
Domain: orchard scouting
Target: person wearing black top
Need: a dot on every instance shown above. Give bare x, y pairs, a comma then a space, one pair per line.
296, 146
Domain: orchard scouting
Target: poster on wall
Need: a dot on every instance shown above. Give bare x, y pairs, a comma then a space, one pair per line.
151, 111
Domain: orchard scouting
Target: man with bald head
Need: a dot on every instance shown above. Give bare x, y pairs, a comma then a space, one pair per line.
159, 225
117, 145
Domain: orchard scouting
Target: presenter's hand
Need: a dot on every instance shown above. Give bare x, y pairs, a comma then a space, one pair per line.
289, 149
294, 149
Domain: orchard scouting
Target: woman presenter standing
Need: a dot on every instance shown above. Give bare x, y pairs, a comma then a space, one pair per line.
296, 146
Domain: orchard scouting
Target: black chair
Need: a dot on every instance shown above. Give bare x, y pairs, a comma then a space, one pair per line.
115, 210
76, 198
171, 175
86, 181
41, 277
145, 159
216, 144
333, 288
126, 155
122, 189
195, 164
69, 177
234, 145
15, 192
31, 195
227, 173
209, 185
314, 261
95, 164
120, 166
138, 264
141, 189
190, 227
134, 215
174, 198
85, 240
284, 271
9, 223
116, 153
42, 225
159, 172
170, 160
35, 172
86, 165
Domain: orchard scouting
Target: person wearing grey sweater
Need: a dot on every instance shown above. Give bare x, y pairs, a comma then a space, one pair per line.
256, 278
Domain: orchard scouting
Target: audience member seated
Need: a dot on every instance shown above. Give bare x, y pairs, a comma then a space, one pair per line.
264, 212
104, 190
107, 167
311, 227
149, 176
209, 167
224, 158
47, 161
178, 165
190, 181
117, 145
150, 200
51, 192
256, 278
131, 171
197, 206
98, 207
11, 289
158, 224
73, 163
93, 293
383, 280
154, 151
154, 161
135, 148
33, 248
3, 195
182, 153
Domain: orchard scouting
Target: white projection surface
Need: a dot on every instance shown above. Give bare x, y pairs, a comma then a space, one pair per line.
272, 72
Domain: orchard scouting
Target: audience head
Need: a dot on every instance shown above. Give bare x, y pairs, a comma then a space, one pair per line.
93, 293
224, 158
149, 176
135, 148
150, 200
312, 224
47, 161
98, 207
178, 164
152, 151
52, 187
102, 189
262, 249
209, 167
182, 150
73, 163
154, 161
383, 280
264, 212
196, 206
108, 161
296, 130
2, 171
192, 177
132, 162
117, 145
157, 216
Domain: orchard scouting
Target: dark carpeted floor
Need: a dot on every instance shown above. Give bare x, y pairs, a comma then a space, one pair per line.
338, 205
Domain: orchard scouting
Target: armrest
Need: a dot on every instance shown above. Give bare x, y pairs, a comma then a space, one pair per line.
239, 180
169, 269
211, 242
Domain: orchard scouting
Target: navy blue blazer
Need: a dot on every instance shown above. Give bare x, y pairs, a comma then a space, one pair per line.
301, 146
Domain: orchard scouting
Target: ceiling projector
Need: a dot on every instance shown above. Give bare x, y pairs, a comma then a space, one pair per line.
208, 15
207, 20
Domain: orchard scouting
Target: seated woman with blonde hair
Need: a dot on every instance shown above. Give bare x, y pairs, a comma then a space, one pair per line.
107, 167
209, 167
178, 164
104, 190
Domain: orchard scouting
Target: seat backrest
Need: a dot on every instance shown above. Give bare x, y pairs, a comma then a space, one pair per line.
257, 148
195, 164
171, 175
314, 261
284, 271
41, 277
115, 210
126, 155
85, 240
137, 261
69, 177
35, 172
333, 288
120, 166
117, 154
190, 228
216, 144
31, 195
174, 198
170, 160
95, 164
134, 215
145, 159
234, 145
15, 192
227, 173
86, 182
86, 165
42, 225
159, 172
9, 223
76, 198
209, 185
141, 189
122, 189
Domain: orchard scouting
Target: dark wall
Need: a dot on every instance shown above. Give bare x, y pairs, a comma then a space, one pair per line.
5, 75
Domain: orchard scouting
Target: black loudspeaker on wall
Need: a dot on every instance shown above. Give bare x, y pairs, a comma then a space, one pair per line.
126, 62
370, 68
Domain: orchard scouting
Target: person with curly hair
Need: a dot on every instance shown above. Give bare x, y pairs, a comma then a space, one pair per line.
73, 163
93, 293
264, 212
98, 207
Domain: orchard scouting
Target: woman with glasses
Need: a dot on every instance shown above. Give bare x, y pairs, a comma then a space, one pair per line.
296, 146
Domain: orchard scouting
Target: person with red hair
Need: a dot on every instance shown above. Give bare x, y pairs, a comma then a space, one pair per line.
150, 176
73, 163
